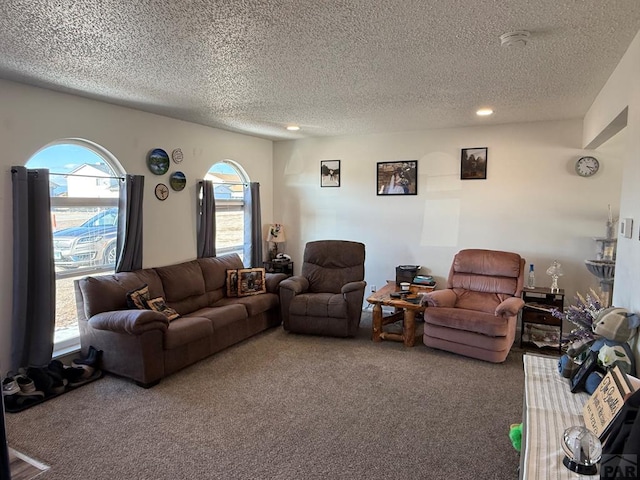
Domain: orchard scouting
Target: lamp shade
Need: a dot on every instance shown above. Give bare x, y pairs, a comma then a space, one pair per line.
276, 233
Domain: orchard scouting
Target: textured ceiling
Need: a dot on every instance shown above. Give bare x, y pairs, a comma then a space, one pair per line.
334, 67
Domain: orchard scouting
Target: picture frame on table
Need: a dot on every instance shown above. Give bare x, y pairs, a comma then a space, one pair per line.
473, 163
397, 178
330, 173
588, 366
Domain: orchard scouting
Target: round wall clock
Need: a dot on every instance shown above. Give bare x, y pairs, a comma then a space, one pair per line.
162, 191
587, 166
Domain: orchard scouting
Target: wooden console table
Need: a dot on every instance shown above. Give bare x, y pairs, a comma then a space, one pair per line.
406, 311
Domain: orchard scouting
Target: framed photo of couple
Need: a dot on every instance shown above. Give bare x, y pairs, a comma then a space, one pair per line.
397, 178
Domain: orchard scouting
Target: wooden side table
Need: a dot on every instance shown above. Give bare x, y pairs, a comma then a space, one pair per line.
406, 311
539, 303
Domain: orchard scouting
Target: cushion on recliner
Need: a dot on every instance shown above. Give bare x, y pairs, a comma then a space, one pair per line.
469, 320
319, 305
482, 302
485, 271
329, 264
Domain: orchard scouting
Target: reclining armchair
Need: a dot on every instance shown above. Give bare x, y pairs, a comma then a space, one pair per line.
476, 315
326, 299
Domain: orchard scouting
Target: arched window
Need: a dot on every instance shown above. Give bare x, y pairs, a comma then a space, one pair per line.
230, 182
84, 184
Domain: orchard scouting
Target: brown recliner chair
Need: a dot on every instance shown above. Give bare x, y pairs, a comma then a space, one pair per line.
326, 299
476, 315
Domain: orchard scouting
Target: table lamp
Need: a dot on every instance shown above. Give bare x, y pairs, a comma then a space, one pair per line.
275, 235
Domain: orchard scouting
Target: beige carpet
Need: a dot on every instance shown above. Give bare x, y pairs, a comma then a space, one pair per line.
283, 406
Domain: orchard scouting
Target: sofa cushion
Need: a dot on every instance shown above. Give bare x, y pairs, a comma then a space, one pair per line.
255, 304
181, 281
109, 292
251, 281
186, 330
139, 297
232, 283
159, 305
214, 270
232, 312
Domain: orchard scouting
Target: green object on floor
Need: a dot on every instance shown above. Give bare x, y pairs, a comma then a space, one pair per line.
515, 435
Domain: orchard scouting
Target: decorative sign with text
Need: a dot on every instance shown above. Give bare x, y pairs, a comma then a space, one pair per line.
606, 402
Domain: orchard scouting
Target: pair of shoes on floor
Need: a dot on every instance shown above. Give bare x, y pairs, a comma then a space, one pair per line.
47, 380
89, 363
20, 391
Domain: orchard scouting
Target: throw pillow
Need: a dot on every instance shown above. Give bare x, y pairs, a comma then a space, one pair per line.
138, 298
251, 281
232, 283
159, 305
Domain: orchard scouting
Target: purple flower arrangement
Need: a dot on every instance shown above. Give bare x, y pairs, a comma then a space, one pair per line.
582, 315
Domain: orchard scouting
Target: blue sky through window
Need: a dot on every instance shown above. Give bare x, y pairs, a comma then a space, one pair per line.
64, 158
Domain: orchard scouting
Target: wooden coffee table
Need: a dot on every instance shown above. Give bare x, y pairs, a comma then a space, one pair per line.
405, 311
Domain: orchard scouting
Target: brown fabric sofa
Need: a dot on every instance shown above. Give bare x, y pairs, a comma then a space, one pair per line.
476, 314
142, 344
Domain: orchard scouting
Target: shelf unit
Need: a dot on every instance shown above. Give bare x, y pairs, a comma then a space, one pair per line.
535, 312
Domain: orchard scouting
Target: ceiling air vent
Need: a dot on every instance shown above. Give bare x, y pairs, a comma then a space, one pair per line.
519, 38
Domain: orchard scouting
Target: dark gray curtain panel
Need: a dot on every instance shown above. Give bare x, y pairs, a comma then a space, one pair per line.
129, 240
252, 226
206, 221
34, 293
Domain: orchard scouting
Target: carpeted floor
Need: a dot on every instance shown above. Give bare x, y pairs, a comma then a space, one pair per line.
284, 406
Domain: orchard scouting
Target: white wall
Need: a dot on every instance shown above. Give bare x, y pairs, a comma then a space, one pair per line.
532, 202
623, 90
31, 118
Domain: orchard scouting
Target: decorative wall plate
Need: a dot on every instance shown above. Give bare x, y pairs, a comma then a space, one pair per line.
178, 181
177, 156
162, 192
158, 161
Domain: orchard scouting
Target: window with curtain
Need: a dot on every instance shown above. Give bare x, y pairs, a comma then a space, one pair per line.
84, 184
229, 181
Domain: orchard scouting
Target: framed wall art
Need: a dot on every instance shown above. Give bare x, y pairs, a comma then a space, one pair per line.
158, 161
473, 164
397, 178
330, 173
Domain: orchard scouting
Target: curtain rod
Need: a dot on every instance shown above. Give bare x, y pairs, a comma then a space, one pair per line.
13, 170
84, 176
245, 184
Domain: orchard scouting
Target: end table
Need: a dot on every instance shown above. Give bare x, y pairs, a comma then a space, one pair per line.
273, 266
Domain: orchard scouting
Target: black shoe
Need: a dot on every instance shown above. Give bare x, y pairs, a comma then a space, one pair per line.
73, 374
42, 380
91, 360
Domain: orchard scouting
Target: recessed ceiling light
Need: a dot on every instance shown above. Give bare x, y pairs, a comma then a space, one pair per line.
483, 112
293, 128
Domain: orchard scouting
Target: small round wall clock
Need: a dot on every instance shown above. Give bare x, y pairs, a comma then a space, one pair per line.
162, 191
587, 166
